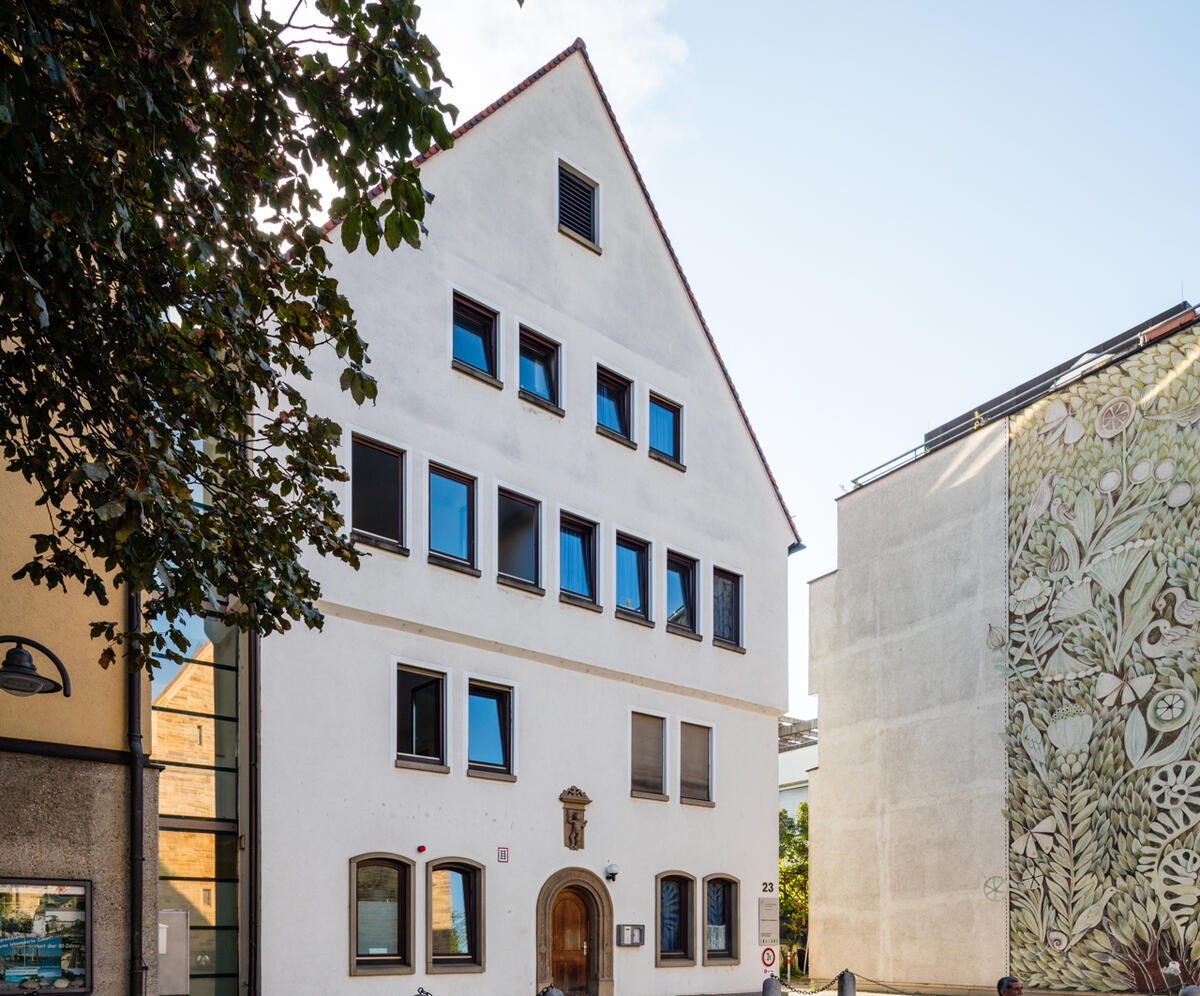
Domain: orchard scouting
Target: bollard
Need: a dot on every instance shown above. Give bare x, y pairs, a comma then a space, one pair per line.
846, 984
771, 986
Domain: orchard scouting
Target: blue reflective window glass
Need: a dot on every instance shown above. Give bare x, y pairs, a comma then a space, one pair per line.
664, 428
631, 576
612, 402
451, 516
474, 336
577, 572
681, 602
488, 726
539, 367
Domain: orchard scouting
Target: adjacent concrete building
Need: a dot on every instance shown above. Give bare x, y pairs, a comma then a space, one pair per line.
534, 742
1006, 659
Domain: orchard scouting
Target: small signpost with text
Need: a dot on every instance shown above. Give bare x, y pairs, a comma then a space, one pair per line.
768, 930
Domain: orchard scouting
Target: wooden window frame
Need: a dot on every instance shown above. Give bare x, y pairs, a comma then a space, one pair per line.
732, 956
476, 960
724, 641
686, 957
407, 759
490, 343
611, 379
643, 549
402, 963
589, 528
504, 694
548, 350
676, 458
439, 557
395, 544
688, 566
513, 579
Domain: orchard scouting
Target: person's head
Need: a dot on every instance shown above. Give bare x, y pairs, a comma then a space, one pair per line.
1190, 991
1010, 985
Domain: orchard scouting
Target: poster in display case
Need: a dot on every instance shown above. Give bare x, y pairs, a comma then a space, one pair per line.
45, 935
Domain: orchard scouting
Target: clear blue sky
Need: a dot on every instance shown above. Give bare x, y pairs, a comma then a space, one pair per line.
890, 212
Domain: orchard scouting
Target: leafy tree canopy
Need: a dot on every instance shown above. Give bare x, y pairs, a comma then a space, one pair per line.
793, 875
163, 278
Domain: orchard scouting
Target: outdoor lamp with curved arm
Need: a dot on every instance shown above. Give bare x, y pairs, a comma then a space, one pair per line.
18, 676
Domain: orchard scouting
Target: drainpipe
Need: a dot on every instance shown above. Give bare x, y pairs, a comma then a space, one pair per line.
137, 808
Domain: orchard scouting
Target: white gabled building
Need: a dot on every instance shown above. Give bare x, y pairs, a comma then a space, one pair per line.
566, 654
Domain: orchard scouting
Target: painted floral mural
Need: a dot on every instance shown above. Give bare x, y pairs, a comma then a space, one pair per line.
1102, 655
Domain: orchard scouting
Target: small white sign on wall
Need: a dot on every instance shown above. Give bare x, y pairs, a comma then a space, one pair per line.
768, 920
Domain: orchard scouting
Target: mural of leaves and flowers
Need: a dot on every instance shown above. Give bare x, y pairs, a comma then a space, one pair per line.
1102, 657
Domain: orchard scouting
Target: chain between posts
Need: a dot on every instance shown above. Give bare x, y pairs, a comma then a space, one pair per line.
875, 985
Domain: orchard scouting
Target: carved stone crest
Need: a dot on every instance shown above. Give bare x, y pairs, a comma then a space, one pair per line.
574, 799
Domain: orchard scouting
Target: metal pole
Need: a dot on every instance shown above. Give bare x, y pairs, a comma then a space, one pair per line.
846, 983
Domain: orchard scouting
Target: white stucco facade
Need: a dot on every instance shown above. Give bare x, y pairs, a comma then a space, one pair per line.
907, 824
330, 785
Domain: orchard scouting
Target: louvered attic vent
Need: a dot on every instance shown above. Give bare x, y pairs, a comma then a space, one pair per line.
576, 203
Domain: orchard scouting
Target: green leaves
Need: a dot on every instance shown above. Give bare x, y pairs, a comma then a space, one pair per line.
156, 334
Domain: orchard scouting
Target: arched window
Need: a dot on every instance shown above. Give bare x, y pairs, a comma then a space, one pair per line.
381, 898
720, 920
675, 901
454, 916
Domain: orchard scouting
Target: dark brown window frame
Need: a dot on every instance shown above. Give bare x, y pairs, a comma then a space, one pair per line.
474, 961
643, 548
491, 343
505, 694
550, 351
691, 565
439, 557
395, 544
515, 580
402, 962
590, 527
407, 759
674, 959
675, 458
613, 379
732, 954
734, 643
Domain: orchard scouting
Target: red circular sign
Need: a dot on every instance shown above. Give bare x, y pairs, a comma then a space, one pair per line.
768, 957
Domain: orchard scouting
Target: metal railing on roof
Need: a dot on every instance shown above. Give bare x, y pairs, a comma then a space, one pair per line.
1089, 361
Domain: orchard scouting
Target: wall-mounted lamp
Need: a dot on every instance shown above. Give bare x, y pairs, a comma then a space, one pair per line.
610, 871
18, 676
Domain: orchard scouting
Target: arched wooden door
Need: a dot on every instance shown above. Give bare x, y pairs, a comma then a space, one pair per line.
570, 940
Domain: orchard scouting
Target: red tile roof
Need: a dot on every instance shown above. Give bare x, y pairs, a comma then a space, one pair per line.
579, 46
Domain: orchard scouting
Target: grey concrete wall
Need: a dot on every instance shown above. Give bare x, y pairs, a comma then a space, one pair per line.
69, 819
907, 822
